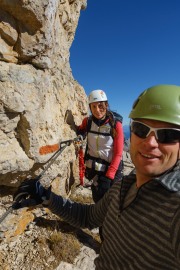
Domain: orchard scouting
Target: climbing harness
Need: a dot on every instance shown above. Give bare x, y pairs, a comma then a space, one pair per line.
62, 145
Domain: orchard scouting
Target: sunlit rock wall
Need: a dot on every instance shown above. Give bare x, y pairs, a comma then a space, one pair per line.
40, 101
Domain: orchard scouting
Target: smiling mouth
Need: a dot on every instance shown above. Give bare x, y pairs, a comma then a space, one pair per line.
148, 156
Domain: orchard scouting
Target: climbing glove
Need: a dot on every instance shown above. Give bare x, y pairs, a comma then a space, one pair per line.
31, 193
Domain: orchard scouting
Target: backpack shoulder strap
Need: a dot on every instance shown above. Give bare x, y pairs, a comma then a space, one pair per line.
117, 116
89, 122
114, 118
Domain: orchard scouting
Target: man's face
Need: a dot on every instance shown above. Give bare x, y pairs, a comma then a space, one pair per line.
150, 157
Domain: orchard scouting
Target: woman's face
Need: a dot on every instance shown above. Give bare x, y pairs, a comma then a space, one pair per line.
98, 109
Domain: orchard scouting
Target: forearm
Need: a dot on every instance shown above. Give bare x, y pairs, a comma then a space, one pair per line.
117, 152
76, 214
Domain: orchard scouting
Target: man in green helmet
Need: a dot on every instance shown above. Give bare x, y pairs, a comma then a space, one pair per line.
140, 215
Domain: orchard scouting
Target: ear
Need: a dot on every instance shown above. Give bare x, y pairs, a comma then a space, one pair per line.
179, 152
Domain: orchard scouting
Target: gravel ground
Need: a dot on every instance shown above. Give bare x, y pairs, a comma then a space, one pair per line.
35, 239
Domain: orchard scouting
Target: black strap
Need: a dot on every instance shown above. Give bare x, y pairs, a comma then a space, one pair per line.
99, 160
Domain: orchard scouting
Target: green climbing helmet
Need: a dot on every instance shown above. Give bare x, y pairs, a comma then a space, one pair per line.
160, 102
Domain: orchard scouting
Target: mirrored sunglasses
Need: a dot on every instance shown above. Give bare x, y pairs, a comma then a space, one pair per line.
163, 135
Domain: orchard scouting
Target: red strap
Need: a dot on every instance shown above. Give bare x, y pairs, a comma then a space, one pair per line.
81, 166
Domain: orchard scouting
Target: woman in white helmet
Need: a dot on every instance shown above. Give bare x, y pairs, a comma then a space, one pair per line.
105, 139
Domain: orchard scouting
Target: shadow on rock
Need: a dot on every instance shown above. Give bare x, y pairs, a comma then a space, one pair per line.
85, 237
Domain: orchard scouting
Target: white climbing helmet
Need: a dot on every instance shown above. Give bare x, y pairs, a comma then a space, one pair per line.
97, 95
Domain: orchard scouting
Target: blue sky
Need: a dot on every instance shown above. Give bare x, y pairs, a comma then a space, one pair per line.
126, 46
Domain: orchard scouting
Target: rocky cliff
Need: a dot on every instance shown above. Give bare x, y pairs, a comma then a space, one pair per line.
40, 101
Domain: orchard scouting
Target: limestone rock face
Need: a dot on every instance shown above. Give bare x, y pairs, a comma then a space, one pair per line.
40, 101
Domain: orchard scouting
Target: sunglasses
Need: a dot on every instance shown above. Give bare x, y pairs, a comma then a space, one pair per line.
163, 135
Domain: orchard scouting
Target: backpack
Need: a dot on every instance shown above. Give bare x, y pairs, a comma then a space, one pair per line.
117, 116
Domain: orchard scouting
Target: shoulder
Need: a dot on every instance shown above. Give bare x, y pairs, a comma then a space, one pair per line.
85, 120
118, 123
83, 126
115, 190
118, 126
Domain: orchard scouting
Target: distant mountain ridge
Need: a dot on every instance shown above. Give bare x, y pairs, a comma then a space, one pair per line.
126, 130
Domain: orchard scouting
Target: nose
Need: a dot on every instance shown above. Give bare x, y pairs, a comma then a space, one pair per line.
151, 139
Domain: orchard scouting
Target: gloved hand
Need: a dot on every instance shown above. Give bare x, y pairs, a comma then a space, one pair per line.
30, 193
104, 183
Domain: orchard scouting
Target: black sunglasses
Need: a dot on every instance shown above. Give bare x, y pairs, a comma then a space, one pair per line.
163, 135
